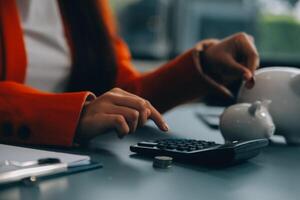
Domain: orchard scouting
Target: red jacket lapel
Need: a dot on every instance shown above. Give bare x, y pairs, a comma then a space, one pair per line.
13, 43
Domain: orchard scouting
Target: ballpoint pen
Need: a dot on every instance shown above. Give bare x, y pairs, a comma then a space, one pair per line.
41, 161
36, 171
32, 169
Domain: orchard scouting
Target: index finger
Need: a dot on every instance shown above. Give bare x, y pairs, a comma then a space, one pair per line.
157, 118
155, 115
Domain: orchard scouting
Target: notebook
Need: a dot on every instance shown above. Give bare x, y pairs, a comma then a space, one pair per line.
10, 172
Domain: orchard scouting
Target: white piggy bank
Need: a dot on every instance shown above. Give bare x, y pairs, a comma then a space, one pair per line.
247, 121
280, 85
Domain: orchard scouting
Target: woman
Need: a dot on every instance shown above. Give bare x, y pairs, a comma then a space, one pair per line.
101, 89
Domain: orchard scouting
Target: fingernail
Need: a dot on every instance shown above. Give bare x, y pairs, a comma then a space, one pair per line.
247, 76
165, 127
250, 84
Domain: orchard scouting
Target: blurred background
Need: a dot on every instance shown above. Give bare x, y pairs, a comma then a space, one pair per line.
161, 29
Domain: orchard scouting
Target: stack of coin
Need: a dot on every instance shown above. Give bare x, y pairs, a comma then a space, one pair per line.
162, 162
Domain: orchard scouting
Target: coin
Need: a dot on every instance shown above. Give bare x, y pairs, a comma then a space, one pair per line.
162, 162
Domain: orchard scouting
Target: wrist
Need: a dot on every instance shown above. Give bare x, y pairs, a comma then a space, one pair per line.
202, 59
79, 138
202, 64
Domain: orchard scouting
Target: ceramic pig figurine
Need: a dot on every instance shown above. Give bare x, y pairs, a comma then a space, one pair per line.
246, 121
281, 85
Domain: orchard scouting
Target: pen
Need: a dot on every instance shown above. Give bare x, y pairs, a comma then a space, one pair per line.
41, 161
38, 171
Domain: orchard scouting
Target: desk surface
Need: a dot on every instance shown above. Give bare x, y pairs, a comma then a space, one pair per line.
274, 174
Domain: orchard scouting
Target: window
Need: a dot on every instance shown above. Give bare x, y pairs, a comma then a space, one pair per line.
159, 29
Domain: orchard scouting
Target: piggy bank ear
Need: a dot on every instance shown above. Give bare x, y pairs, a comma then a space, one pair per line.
295, 84
254, 108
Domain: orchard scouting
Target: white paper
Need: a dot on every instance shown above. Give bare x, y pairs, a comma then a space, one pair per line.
21, 154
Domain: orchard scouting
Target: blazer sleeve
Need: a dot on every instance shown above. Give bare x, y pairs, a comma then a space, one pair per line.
176, 82
29, 116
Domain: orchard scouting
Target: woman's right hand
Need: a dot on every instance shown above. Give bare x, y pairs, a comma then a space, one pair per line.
119, 110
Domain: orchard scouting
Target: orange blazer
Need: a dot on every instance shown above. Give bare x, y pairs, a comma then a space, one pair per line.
30, 116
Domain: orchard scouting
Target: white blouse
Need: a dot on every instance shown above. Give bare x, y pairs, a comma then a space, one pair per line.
49, 59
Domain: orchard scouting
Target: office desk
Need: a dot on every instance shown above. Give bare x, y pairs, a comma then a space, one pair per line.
274, 174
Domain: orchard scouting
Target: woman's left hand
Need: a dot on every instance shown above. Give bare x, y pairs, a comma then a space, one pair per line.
230, 60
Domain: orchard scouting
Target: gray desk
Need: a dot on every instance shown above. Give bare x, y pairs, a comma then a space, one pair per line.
274, 174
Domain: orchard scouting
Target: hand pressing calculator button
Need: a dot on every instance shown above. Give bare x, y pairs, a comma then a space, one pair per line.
200, 151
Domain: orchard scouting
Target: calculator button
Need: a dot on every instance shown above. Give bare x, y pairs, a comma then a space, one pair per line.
182, 148
161, 146
147, 144
171, 147
191, 149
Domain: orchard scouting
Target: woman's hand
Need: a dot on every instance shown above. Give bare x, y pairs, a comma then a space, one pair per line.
231, 60
119, 110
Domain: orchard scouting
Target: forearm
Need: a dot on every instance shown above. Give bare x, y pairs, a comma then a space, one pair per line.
180, 80
174, 83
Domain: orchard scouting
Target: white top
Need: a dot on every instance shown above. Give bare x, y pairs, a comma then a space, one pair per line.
49, 59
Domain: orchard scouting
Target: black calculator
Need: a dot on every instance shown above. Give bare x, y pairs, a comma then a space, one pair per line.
200, 151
